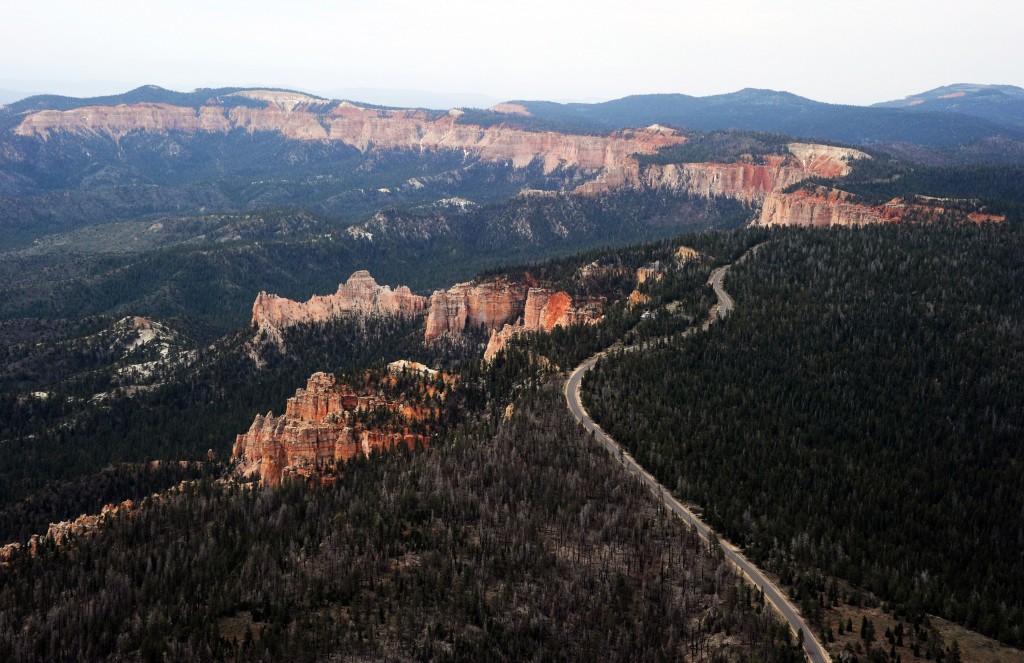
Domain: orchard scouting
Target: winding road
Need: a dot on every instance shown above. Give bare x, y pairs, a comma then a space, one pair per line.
776, 597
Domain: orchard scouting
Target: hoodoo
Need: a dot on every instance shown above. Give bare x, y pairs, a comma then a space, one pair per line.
544, 310
360, 295
324, 424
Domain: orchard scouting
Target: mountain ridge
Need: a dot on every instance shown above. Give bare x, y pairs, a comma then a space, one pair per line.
998, 103
734, 110
772, 111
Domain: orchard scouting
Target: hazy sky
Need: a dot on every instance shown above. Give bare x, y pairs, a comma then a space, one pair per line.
849, 51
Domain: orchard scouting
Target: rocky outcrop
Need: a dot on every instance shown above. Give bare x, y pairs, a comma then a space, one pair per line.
543, 311
826, 161
817, 209
412, 129
510, 108
86, 523
404, 365
743, 181
685, 254
637, 298
360, 295
504, 308
59, 533
116, 121
611, 157
299, 124
656, 271
747, 180
300, 117
650, 272
822, 207
323, 424
466, 306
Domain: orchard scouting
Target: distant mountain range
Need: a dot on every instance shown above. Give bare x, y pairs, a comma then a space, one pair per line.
782, 112
1003, 104
67, 163
945, 117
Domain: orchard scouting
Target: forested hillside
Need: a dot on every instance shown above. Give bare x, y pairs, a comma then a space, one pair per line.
212, 271
860, 413
56, 447
514, 540
857, 416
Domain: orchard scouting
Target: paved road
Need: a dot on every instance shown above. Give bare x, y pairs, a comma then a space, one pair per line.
815, 652
725, 303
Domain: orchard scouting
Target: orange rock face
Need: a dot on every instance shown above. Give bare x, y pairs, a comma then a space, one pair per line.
610, 157
685, 254
361, 128
85, 524
543, 311
412, 129
116, 121
744, 180
823, 207
487, 305
818, 209
295, 124
637, 298
645, 273
58, 533
510, 109
360, 295
319, 428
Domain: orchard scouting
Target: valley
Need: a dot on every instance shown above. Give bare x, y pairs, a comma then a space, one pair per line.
282, 377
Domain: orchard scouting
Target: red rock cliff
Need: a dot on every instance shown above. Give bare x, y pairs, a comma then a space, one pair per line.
300, 117
821, 207
489, 304
360, 295
744, 180
58, 533
543, 311
320, 427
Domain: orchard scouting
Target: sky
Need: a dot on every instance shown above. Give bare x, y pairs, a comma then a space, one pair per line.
840, 51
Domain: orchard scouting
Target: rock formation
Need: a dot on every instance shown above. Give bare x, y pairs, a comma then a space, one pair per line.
821, 207
404, 365
86, 523
637, 298
655, 271
543, 311
323, 424
360, 295
610, 160
744, 180
116, 121
510, 108
466, 306
685, 254
300, 117
58, 533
